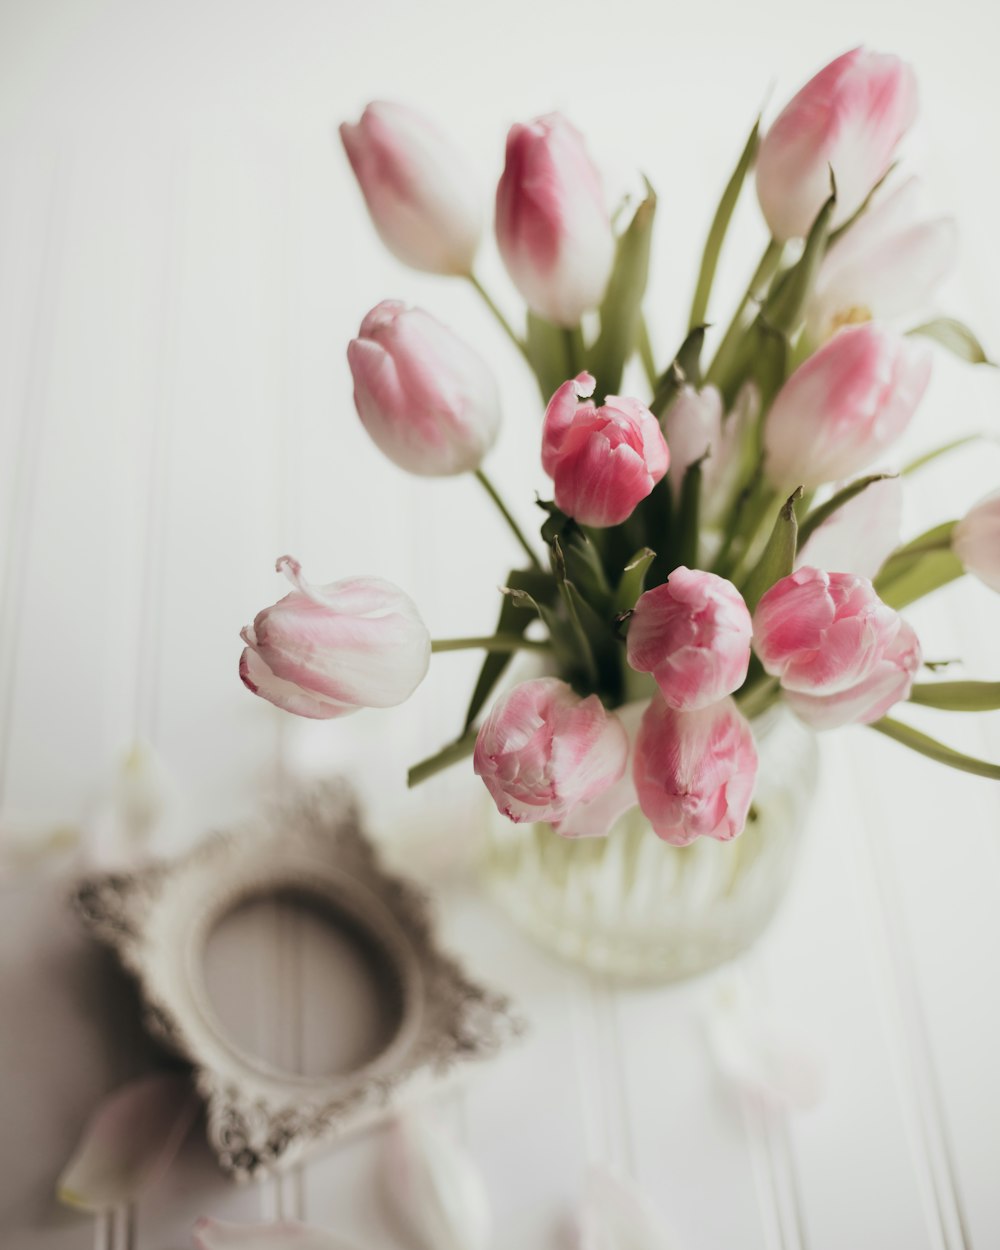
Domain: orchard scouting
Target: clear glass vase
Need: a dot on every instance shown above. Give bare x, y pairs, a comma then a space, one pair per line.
637, 908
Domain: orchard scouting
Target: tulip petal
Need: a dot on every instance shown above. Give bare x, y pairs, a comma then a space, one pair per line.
433, 1191
212, 1234
617, 1215
129, 1142
259, 679
765, 1058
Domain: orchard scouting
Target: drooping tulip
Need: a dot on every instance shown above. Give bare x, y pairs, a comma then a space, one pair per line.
976, 541
429, 402
849, 119
693, 634
888, 683
844, 406
542, 750
553, 227
887, 266
861, 534
695, 771
603, 461
420, 190
326, 651
822, 633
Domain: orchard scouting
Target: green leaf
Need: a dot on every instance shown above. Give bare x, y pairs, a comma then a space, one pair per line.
934, 750
514, 618
770, 364
633, 580
578, 617
860, 212
778, 558
929, 457
956, 337
920, 567
958, 696
685, 367
785, 306
926, 574
720, 226
621, 308
687, 524
826, 510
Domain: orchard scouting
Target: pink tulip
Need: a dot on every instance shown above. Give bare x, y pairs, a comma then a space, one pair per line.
859, 537
695, 771
693, 634
326, 651
822, 633
886, 267
421, 192
604, 460
553, 228
428, 400
542, 750
887, 684
849, 118
976, 541
596, 818
844, 406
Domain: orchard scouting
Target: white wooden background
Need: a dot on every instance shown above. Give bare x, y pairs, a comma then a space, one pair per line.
183, 258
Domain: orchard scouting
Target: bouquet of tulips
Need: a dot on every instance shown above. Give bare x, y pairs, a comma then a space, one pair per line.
726, 542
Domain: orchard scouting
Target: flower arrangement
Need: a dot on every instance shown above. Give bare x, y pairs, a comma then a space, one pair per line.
728, 542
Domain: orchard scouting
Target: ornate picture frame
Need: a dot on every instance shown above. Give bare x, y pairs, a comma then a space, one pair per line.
158, 920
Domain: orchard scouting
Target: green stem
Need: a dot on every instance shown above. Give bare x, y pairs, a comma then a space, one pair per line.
729, 347
493, 642
515, 528
758, 698
929, 456
574, 348
501, 319
451, 754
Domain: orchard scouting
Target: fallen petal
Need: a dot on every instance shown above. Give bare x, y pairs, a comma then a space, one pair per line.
129, 1142
617, 1215
433, 1191
763, 1057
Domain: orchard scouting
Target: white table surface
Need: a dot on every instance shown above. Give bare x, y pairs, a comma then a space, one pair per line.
183, 258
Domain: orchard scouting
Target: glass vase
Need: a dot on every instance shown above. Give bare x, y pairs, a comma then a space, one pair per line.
636, 908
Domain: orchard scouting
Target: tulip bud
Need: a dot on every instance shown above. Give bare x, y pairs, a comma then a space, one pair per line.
861, 534
693, 634
693, 426
421, 192
976, 541
605, 460
553, 228
888, 683
542, 750
695, 771
427, 399
326, 651
822, 633
885, 267
434, 1193
849, 118
844, 406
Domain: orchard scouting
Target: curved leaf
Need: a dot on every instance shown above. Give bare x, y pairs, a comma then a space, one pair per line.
958, 696
621, 308
956, 337
923, 744
778, 558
